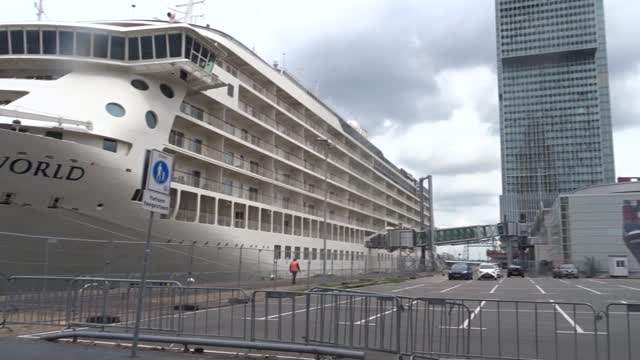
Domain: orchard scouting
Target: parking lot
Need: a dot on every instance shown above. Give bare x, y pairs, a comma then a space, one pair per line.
515, 318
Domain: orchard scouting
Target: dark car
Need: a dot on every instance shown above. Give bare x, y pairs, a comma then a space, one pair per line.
515, 270
461, 271
566, 271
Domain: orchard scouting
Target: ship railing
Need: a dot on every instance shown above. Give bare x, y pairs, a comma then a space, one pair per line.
287, 155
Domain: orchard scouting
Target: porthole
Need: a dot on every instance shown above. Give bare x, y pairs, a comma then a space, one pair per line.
115, 109
139, 84
166, 90
152, 119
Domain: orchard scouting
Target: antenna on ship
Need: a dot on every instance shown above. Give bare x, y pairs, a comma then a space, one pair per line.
188, 16
40, 8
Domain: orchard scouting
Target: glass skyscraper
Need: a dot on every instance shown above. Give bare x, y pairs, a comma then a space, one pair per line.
555, 121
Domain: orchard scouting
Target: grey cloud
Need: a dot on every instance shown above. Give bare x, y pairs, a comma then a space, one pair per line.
386, 68
476, 165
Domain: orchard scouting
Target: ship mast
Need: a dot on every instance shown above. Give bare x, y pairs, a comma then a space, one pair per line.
188, 11
40, 9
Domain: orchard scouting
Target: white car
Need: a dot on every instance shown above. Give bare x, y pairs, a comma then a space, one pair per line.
488, 271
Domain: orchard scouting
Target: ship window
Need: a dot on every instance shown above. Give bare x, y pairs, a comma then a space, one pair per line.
314, 254
187, 47
17, 42
230, 90
100, 45
49, 42
166, 90
134, 49
54, 134
287, 252
296, 252
110, 145
139, 84
33, 42
146, 45
305, 253
161, 46
152, 119
83, 44
4, 42
115, 109
277, 252
196, 52
66, 42
175, 45
117, 48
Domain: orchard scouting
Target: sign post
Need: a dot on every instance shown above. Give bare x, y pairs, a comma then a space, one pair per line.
156, 198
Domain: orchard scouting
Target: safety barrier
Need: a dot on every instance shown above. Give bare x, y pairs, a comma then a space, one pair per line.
423, 328
622, 329
359, 321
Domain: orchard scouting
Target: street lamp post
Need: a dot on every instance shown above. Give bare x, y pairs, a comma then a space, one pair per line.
327, 144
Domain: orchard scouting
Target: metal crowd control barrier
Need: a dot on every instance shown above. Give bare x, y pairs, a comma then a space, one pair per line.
496, 329
101, 302
623, 327
359, 321
219, 312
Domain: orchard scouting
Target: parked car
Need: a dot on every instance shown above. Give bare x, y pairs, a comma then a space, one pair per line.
487, 271
515, 270
461, 271
566, 271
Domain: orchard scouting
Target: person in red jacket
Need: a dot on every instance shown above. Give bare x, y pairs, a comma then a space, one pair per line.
294, 268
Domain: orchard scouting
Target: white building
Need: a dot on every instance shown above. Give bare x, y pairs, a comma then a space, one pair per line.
589, 223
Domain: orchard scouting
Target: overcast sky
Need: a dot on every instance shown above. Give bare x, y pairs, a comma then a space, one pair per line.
419, 75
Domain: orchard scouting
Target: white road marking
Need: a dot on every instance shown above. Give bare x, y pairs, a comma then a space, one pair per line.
500, 282
455, 327
303, 310
584, 332
622, 301
596, 281
586, 288
494, 289
539, 288
361, 322
451, 288
628, 287
564, 281
407, 288
465, 324
568, 318
531, 280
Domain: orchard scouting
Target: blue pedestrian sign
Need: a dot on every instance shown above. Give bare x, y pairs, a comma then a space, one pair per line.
159, 171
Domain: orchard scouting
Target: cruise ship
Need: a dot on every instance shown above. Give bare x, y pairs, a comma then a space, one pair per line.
81, 103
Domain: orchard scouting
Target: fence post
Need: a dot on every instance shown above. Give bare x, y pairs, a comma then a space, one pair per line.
240, 266
308, 274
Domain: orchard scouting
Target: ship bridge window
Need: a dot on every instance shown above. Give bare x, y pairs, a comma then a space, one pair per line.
49, 42
83, 44
4, 42
17, 42
146, 45
175, 45
117, 48
33, 42
160, 42
134, 49
66, 42
100, 45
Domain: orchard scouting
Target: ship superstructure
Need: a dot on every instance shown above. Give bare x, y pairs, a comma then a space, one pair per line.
80, 104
